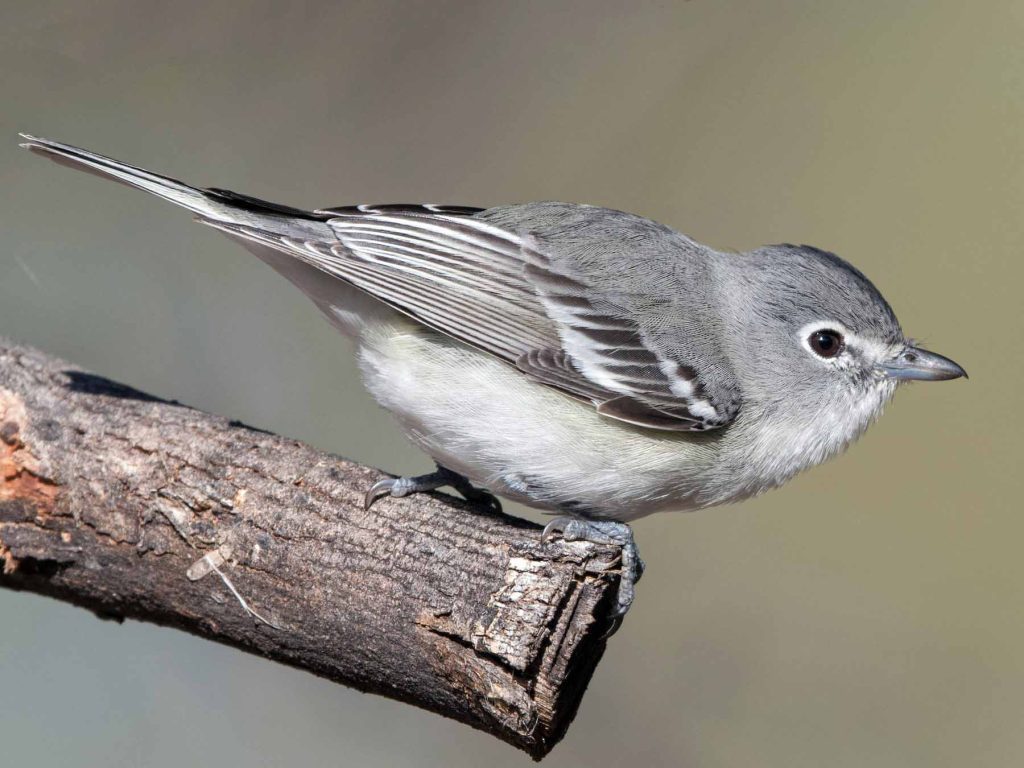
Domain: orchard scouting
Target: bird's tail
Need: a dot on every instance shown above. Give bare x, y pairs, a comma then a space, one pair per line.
260, 226
211, 205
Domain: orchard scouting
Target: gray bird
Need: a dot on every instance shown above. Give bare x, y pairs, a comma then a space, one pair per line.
580, 360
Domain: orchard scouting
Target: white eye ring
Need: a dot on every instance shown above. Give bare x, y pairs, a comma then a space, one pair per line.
826, 343
825, 339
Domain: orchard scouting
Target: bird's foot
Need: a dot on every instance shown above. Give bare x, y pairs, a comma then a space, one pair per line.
403, 486
605, 532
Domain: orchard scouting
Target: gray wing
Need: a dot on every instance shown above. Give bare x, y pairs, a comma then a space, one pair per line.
519, 290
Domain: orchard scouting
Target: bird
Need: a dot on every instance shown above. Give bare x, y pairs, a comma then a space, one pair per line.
584, 361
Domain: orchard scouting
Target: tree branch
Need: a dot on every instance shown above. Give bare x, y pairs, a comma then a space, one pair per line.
135, 507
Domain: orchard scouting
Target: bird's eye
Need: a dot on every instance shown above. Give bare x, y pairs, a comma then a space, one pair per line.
826, 343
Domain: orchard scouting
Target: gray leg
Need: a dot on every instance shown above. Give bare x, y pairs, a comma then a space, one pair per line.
605, 532
403, 486
471, 493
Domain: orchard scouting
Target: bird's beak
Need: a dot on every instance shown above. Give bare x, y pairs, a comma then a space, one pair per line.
913, 363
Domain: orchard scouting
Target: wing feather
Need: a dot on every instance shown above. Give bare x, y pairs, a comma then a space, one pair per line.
610, 348
501, 293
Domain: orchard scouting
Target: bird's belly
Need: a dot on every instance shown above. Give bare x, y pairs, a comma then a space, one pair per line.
480, 417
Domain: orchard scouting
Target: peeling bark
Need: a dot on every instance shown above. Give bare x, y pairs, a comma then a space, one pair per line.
135, 507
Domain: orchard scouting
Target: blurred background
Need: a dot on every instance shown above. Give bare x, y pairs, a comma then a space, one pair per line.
868, 614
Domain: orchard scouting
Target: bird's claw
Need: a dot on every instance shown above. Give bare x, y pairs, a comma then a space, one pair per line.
403, 486
385, 487
605, 532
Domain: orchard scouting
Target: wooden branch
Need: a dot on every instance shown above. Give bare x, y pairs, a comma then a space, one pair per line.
135, 507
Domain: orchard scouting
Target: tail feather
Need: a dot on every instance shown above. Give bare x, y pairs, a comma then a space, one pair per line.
169, 189
215, 204
266, 229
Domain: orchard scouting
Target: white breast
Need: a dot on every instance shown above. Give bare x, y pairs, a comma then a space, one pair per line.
478, 416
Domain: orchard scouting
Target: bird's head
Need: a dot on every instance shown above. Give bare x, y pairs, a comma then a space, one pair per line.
823, 350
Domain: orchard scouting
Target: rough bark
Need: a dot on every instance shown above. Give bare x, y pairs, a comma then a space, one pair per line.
135, 507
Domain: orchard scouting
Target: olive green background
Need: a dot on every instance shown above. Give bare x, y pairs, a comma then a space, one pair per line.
868, 614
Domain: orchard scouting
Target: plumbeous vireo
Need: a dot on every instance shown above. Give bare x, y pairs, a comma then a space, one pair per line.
580, 360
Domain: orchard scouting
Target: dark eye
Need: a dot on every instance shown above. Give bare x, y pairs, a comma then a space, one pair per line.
826, 343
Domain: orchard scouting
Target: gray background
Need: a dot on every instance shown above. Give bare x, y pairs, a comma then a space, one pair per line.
868, 614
